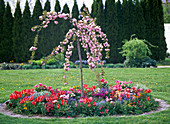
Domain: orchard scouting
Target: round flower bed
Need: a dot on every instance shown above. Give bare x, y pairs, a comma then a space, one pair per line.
122, 98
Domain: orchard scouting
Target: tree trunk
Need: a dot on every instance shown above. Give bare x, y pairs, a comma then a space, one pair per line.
79, 53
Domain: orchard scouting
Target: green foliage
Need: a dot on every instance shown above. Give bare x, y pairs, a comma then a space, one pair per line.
100, 14
75, 10
136, 53
120, 29
47, 41
26, 33
166, 10
2, 10
135, 49
154, 23
57, 6
6, 53
112, 30
139, 21
18, 46
140, 63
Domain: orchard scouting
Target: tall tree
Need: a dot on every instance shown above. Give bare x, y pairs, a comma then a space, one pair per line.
2, 11
139, 21
45, 43
112, 30
66, 24
100, 14
75, 14
57, 6
37, 12
94, 8
163, 47
57, 34
35, 21
154, 28
75, 10
120, 29
27, 39
6, 53
126, 20
16, 31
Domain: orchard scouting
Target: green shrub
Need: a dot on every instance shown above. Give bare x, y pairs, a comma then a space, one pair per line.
136, 53
119, 65
27, 66
108, 65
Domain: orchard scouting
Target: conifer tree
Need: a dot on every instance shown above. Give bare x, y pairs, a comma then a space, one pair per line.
100, 14
154, 28
35, 21
27, 39
75, 14
2, 11
112, 30
37, 12
84, 6
66, 24
120, 29
16, 31
75, 10
6, 53
139, 21
57, 6
57, 34
126, 20
163, 47
45, 43
94, 10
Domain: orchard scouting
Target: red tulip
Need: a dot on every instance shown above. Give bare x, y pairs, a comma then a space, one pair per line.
31, 98
22, 101
148, 98
11, 96
89, 105
120, 98
58, 106
94, 87
149, 90
94, 103
15, 97
33, 102
102, 80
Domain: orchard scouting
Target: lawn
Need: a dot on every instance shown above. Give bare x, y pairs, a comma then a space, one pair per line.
155, 78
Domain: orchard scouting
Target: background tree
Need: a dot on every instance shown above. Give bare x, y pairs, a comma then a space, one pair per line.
6, 53
2, 10
112, 30
120, 29
139, 21
57, 34
75, 10
75, 14
26, 34
46, 43
94, 8
155, 29
166, 10
35, 21
16, 31
126, 20
100, 14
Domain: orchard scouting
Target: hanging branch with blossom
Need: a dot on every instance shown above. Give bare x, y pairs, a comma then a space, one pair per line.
84, 32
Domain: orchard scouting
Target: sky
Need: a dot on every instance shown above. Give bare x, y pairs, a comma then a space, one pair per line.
70, 3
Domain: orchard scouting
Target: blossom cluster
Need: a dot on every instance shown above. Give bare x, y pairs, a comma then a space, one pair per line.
85, 32
121, 98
